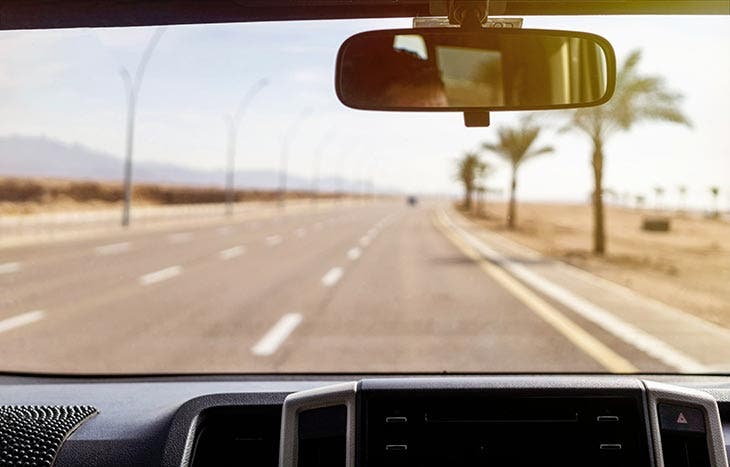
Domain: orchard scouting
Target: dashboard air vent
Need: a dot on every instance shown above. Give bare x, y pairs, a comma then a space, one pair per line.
469, 429
240, 436
322, 437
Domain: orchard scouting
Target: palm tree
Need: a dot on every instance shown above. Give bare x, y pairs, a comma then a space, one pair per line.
715, 192
637, 98
469, 170
515, 145
682, 189
658, 195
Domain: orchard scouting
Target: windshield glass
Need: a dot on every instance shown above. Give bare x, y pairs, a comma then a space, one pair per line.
195, 199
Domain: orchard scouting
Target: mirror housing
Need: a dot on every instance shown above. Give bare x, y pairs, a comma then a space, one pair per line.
450, 69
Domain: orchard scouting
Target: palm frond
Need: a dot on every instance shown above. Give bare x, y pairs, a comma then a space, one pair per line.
631, 61
637, 98
514, 143
541, 151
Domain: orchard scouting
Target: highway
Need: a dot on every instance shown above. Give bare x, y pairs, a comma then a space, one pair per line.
376, 287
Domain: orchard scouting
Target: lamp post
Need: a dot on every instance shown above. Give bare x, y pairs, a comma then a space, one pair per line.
326, 139
372, 173
347, 151
361, 173
233, 122
132, 87
356, 176
284, 160
341, 175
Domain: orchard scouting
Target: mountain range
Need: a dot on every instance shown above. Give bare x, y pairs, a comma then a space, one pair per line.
33, 156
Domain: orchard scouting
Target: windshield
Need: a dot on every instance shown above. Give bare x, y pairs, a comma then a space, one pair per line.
195, 199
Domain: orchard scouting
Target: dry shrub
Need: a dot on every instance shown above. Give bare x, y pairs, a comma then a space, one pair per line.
18, 190
47, 192
92, 191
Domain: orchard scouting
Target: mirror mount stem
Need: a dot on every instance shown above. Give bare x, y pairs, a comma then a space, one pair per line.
476, 119
470, 16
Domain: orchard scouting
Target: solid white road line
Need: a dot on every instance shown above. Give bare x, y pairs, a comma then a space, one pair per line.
180, 237
277, 335
112, 249
611, 323
161, 275
21, 320
232, 252
7, 268
274, 240
332, 276
354, 253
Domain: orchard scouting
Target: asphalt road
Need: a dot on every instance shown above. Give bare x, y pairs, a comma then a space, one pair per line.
374, 287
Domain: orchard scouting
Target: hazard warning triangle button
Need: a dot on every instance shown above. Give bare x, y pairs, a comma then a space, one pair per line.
681, 418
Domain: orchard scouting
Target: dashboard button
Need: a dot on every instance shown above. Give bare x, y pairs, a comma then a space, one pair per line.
396, 447
610, 446
607, 418
396, 419
681, 418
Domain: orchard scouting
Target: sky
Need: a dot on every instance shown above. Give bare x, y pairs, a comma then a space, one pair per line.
66, 85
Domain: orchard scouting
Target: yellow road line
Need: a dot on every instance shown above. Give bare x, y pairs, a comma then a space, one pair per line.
609, 359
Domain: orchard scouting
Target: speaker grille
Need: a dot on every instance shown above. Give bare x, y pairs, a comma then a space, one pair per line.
33, 435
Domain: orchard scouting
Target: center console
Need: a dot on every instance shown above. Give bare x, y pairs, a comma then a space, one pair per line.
466, 422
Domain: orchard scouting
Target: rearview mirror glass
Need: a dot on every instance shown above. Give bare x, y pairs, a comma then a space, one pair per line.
444, 69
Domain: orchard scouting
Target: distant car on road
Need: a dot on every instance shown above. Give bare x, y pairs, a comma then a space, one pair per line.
412, 200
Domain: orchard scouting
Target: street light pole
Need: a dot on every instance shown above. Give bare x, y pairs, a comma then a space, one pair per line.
132, 87
374, 168
284, 160
347, 151
341, 175
360, 175
326, 139
233, 122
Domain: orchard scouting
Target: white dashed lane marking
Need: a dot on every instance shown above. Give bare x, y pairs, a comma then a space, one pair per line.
332, 276
276, 336
112, 249
21, 320
274, 240
365, 241
180, 237
8, 268
354, 253
161, 275
232, 252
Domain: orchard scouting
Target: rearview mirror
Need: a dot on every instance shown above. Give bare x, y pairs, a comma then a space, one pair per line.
448, 69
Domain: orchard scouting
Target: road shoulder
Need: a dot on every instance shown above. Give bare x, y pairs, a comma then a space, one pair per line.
677, 339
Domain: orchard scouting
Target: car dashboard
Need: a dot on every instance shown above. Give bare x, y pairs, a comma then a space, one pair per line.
507, 420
